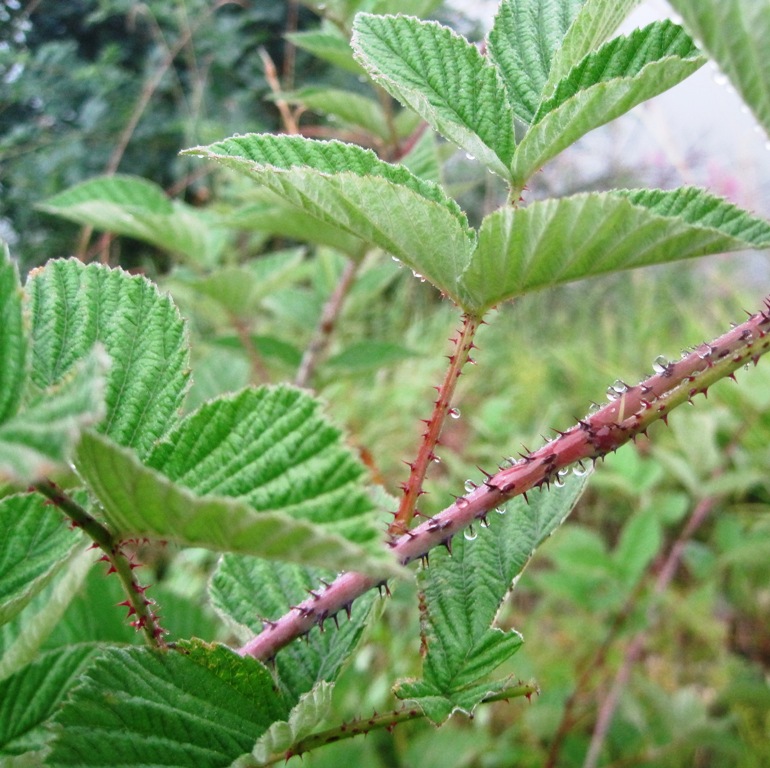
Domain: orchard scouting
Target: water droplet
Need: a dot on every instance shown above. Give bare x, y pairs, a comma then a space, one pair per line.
720, 78
508, 462
500, 510
620, 386
469, 156
660, 364
594, 407
470, 534
470, 486
563, 472
461, 502
436, 460
579, 470
612, 395
558, 482
484, 522
454, 413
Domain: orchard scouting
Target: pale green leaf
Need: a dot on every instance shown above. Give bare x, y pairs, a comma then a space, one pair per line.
369, 355
443, 78
13, 341
135, 207
21, 638
462, 593
639, 543
347, 107
522, 42
558, 241
328, 44
201, 708
73, 306
30, 697
140, 501
594, 23
351, 188
578, 106
35, 543
622, 57
736, 34
41, 438
304, 718
423, 159
246, 589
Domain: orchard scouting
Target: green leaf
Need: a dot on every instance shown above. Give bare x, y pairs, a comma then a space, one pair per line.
13, 342
349, 187
522, 42
638, 544
42, 437
594, 23
34, 544
31, 696
606, 84
558, 241
347, 107
135, 207
73, 306
304, 718
140, 501
328, 44
736, 34
246, 589
462, 593
369, 355
443, 78
201, 708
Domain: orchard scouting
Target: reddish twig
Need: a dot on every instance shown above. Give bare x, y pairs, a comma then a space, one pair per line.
628, 415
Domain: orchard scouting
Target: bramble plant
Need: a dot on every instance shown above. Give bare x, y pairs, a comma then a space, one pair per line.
95, 369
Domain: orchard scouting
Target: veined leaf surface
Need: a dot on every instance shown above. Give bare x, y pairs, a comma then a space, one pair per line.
13, 340
349, 187
462, 593
557, 241
736, 34
522, 42
443, 78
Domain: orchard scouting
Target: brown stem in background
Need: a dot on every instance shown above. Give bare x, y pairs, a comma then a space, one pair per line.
139, 606
600, 433
259, 373
271, 75
289, 49
442, 407
331, 311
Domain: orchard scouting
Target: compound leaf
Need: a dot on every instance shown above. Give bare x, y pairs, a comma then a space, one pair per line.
442, 77
13, 341
557, 241
736, 34
462, 593
138, 208
621, 74
349, 187
203, 708
246, 589
73, 306
522, 42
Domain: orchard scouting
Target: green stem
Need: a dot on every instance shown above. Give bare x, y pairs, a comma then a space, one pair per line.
139, 606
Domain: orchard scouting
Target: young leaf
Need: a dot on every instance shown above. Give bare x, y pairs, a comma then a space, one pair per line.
135, 207
304, 718
139, 501
73, 306
604, 85
30, 697
349, 187
202, 708
462, 593
522, 42
42, 437
560, 240
443, 78
328, 44
736, 34
594, 23
244, 589
34, 544
13, 341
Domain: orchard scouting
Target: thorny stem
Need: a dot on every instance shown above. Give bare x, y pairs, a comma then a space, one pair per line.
442, 407
600, 433
325, 327
387, 720
636, 646
139, 606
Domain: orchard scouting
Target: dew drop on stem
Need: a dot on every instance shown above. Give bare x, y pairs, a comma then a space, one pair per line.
470, 486
454, 413
500, 510
470, 534
660, 364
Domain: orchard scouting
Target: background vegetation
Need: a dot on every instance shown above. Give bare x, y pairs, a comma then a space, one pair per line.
648, 616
